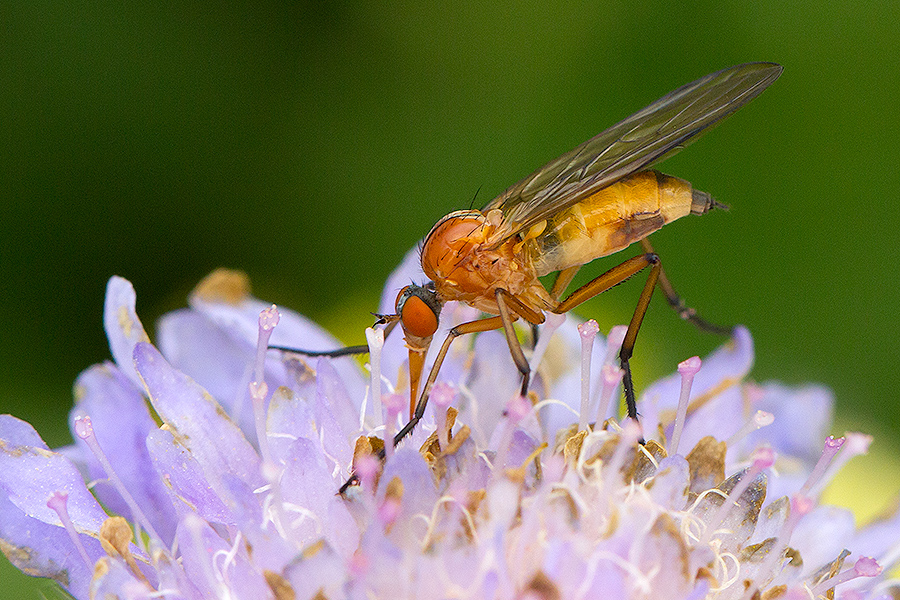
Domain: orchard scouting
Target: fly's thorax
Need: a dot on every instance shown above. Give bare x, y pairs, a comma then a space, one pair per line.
464, 264
610, 220
451, 242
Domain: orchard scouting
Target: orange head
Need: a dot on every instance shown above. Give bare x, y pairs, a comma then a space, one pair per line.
419, 310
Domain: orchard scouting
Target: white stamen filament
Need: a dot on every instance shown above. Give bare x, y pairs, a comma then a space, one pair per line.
375, 339
85, 430
588, 331
687, 369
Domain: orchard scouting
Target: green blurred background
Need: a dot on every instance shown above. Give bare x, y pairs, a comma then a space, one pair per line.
312, 144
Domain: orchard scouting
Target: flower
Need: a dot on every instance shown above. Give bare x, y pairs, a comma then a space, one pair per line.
206, 466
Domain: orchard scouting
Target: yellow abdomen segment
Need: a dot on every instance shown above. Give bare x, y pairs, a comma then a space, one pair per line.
613, 218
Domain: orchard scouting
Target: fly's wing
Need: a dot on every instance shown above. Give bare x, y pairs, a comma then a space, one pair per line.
644, 138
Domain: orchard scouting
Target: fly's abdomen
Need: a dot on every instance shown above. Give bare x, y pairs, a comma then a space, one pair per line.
613, 218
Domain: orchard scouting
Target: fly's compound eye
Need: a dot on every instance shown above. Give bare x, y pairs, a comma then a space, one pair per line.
418, 309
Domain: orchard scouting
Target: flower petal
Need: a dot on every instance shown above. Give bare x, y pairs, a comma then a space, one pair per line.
197, 422
185, 479
30, 474
123, 327
216, 568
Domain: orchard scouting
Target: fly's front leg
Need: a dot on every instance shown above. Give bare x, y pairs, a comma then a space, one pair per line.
348, 351
470, 327
610, 279
677, 303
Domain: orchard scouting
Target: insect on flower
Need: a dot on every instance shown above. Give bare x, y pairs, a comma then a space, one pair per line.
590, 202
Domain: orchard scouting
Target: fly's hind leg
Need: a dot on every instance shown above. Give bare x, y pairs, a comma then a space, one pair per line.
677, 303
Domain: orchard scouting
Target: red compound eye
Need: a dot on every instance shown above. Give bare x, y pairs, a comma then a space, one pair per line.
417, 317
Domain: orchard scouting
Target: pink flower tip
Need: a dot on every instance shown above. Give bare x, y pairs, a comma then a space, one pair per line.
588, 329
268, 318
83, 427
517, 408
753, 392
442, 394
690, 366
394, 403
801, 504
631, 430
366, 468
612, 374
763, 457
867, 567
616, 336
832, 443
763, 418
271, 472
857, 443
258, 390
58, 500
375, 337
389, 510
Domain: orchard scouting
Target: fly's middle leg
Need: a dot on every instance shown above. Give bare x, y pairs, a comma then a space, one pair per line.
505, 302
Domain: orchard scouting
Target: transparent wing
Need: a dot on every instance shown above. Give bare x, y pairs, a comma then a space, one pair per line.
646, 137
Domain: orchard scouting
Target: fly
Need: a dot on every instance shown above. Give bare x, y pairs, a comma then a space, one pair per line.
590, 202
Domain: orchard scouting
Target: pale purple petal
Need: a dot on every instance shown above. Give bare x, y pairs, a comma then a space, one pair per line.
241, 321
289, 418
185, 480
123, 327
802, 420
493, 379
315, 510
30, 474
729, 363
215, 567
214, 359
19, 433
115, 580
319, 570
196, 421
822, 534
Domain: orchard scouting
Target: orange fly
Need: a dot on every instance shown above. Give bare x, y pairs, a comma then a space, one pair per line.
591, 202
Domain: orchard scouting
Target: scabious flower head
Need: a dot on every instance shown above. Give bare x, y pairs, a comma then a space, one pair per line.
205, 466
